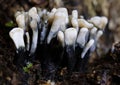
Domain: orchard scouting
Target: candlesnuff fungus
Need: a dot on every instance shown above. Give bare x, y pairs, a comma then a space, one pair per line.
58, 39
51, 15
93, 33
20, 19
16, 35
33, 25
74, 20
82, 37
99, 22
84, 23
70, 39
87, 47
58, 24
65, 11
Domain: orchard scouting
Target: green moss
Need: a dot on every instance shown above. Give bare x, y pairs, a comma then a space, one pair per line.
27, 68
10, 24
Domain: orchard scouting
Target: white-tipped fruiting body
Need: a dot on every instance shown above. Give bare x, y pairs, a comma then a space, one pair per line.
70, 36
28, 41
99, 22
104, 22
81, 39
58, 24
33, 25
75, 14
60, 21
81, 17
60, 37
53, 10
93, 33
20, 19
99, 34
74, 23
74, 20
64, 10
16, 35
84, 23
87, 47
33, 13
51, 15
17, 13
96, 37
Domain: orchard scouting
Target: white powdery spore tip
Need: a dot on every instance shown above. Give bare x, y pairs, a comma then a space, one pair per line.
70, 36
17, 36
84, 23
58, 24
81, 39
99, 22
20, 19
60, 37
99, 34
51, 15
64, 10
93, 33
87, 47
74, 20
33, 13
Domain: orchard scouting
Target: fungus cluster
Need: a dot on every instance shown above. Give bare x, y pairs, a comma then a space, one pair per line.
56, 39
